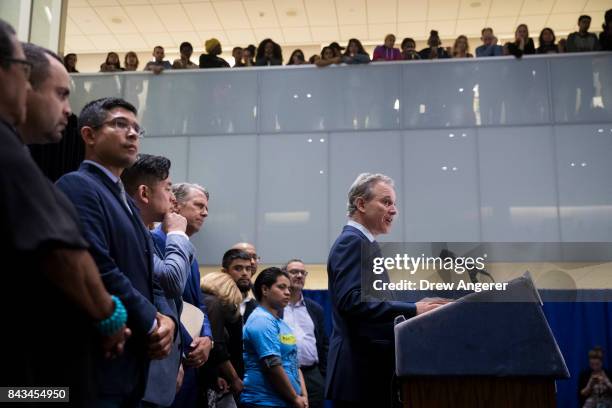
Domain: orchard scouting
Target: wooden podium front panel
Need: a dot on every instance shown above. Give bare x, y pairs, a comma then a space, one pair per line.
478, 392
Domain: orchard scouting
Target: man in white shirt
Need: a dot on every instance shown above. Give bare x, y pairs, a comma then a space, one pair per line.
306, 319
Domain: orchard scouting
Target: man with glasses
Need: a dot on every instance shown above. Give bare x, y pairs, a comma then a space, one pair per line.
121, 246
55, 294
306, 319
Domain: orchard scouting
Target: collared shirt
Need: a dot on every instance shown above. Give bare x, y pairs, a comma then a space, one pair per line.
361, 228
244, 302
297, 317
106, 171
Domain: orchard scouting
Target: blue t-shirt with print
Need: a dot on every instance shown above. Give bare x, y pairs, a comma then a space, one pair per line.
266, 335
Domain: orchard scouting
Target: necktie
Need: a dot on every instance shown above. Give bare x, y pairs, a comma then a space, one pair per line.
123, 196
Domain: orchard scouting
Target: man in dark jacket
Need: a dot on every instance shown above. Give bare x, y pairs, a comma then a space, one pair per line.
211, 59
305, 317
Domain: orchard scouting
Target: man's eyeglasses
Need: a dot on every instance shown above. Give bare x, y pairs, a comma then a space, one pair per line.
295, 272
123, 125
26, 65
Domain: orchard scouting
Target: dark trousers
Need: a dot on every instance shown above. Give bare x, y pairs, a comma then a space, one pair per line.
315, 385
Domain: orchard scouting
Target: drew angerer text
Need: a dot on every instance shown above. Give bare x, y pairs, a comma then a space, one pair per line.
424, 284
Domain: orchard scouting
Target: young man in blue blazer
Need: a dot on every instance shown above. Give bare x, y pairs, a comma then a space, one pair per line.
121, 246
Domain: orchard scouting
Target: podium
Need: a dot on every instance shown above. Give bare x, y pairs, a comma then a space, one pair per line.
482, 350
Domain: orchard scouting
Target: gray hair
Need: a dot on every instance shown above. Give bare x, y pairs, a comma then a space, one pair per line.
182, 191
286, 265
362, 188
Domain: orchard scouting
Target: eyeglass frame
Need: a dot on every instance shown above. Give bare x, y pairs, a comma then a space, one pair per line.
295, 272
140, 131
24, 63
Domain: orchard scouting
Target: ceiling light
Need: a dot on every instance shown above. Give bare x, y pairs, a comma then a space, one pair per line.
116, 20
475, 4
291, 13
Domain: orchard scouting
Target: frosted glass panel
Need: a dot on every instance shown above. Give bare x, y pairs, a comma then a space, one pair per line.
292, 198
225, 166
475, 93
174, 148
518, 185
585, 191
440, 195
196, 103
365, 152
334, 98
582, 90
86, 88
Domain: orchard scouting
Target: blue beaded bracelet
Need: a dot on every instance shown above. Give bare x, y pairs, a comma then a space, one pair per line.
114, 322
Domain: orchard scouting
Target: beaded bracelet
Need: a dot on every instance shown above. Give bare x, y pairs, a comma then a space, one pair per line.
114, 322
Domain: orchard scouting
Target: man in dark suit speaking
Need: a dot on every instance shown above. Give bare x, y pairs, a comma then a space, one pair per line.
361, 351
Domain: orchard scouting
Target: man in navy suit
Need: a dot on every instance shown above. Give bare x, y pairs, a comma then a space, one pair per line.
148, 183
361, 352
121, 246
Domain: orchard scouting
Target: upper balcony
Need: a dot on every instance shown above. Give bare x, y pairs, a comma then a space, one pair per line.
501, 91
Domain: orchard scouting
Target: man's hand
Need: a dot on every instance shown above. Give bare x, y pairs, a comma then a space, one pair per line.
160, 341
427, 304
222, 385
237, 385
179, 378
494, 41
113, 345
200, 350
174, 222
300, 402
156, 69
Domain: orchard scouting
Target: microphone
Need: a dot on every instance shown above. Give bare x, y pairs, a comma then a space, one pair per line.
474, 274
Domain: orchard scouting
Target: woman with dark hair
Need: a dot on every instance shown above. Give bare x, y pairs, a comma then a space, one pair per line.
522, 43
273, 377
297, 58
594, 386
131, 61
547, 42
70, 61
329, 56
355, 53
461, 48
433, 51
409, 51
111, 64
269, 53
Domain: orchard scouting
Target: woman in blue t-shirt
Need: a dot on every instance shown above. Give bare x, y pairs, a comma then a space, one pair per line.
272, 374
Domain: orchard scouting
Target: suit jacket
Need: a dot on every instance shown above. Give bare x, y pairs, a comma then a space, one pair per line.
123, 250
318, 318
361, 350
248, 309
171, 270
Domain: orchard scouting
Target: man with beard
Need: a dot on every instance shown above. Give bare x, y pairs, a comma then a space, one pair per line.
248, 301
225, 368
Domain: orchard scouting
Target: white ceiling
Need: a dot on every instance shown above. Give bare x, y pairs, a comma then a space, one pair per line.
96, 26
